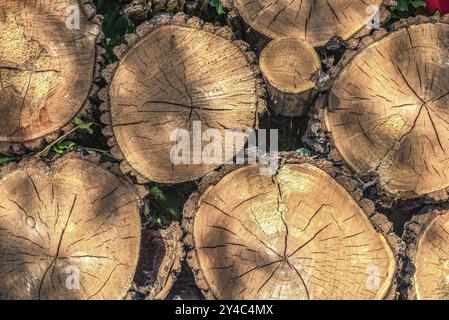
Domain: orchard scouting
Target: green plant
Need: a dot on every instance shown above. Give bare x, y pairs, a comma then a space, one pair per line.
7, 159
218, 6
79, 124
105, 156
167, 206
407, 8
115, 26
64, 146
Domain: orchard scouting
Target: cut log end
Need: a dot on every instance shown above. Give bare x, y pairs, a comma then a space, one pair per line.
427, 273
195, 76
387, 110
312, 21
160, 261
47, 69
290, 68
296, 235
67, 231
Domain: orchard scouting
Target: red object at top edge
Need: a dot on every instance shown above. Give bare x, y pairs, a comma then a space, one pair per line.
438, 5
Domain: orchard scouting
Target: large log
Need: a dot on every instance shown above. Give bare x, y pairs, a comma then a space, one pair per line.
425, 266
175, 72
68, 230
313, 21
387, 110
295, 235
48, 69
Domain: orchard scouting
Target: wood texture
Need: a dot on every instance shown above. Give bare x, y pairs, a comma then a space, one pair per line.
388, 110
70, 216
46, 69
296, 235
179, 72
162, 253
432, 261
315, 21
290, 68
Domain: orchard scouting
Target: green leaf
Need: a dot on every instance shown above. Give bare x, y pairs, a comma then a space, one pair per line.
84, 125
157, 194
7, 159
418, 4
402, 5
167, 204
79, 121
64, 146
218, 6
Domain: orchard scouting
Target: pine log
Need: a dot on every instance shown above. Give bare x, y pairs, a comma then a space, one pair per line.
47, 70
175, 72
300, 234
68, 230
386, 112
290, 68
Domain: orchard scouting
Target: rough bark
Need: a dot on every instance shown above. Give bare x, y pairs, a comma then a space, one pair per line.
425, 266
313, 21
290, 68
295, 235
64, 221
195, 72
162, 253
48, 71
142, 9
385, 114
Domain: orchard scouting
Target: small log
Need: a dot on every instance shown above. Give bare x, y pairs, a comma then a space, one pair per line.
386, 111
295, 235
313, 21
290, 68
48, 69
68, 230
176, 72
162, 253
425, 274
